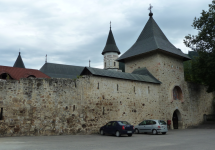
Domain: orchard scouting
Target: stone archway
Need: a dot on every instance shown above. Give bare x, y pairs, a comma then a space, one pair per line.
176, 120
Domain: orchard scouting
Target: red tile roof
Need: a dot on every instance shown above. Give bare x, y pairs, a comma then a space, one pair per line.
18, 73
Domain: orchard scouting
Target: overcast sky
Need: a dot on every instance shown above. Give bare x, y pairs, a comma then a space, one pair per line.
73, 32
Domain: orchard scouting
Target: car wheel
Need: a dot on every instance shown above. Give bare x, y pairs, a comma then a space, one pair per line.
154, 132
129, 134
102, 132
163, 132
137, 131
118, 134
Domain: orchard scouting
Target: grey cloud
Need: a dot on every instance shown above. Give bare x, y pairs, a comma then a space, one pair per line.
73, 39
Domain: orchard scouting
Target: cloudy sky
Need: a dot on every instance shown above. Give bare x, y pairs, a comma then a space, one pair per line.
75, 31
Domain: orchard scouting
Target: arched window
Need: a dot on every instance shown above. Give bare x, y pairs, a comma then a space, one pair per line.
31, 77
177, 93
5, 76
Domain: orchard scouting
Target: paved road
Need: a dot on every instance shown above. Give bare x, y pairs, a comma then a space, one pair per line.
189, 139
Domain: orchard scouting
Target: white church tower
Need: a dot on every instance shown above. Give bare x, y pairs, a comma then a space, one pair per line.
111, 53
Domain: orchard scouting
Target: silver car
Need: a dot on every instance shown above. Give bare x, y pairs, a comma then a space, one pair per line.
151, 126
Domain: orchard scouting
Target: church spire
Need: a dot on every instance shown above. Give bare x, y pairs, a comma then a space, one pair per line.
110, 44
111, 53
19, 63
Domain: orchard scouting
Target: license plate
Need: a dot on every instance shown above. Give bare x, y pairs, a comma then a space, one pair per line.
129, 131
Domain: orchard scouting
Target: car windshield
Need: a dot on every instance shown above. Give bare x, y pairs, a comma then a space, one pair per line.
162, 122
123, 123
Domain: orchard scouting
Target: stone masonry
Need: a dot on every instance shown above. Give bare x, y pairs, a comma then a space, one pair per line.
82, 106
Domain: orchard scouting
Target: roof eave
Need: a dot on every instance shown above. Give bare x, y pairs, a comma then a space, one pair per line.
111, 51
127, 79
184, 58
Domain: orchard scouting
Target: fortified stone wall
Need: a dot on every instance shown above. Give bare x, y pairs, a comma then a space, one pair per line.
42, 107
65, 106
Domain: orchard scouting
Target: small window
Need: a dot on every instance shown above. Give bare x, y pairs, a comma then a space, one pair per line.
134, 89
117, 87
177, 93
98, 86
105, 64
114, 63
1, 114
103, 113
73, 107
148, 90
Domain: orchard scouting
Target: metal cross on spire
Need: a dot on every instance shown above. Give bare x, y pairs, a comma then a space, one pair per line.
89, 63
110, 24
150, 8
46, 59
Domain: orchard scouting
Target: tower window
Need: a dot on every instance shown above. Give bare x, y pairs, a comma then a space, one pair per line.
117, 87
98, 86
105, 64
114, 63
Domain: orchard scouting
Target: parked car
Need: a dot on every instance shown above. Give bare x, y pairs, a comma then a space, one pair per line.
117, 128
152, 126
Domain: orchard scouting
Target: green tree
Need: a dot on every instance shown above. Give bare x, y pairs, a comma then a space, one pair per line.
203, 66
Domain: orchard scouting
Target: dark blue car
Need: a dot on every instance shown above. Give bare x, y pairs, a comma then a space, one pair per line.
117, 128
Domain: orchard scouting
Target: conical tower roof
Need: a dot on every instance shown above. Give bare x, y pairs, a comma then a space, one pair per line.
110, 44
152, 38
19, 63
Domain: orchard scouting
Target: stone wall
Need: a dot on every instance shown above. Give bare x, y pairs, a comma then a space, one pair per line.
169, 70
82, 106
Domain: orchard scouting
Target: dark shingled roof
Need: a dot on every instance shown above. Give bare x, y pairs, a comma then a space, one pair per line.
144, 71
61, 71
119, 75
19, 63
152, 38
110, 44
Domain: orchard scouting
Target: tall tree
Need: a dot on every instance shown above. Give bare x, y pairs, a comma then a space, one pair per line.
203, 67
